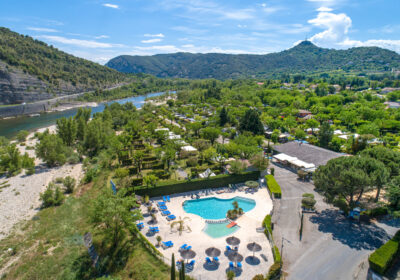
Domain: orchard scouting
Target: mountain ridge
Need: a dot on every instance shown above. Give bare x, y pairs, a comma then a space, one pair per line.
31, 70
302, 58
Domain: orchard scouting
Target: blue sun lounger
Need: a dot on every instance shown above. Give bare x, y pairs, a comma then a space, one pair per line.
166, 213
231, 265
183, 247
228, 248
140, 225
239, 264
168, 244
171, 217
161, 203
154, 229
208, 260
164, 199
191, 264
168, 198
188, 248
216, 259
163, 208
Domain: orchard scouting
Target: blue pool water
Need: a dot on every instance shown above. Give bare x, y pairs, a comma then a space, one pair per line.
213, 208
219, 230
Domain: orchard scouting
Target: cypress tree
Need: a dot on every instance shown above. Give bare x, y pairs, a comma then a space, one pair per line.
223, 117
173, 267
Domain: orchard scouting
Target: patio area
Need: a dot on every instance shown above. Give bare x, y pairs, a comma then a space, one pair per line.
194, 236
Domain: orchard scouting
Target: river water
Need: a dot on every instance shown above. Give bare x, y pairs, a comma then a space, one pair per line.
10, 127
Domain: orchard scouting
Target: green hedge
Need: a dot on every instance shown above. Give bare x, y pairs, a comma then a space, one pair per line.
277, 254
274, 271
273, 186
196, 184
382, 258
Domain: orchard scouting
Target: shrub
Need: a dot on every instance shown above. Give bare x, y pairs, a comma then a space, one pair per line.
258, 277
267, 223
277, 254
308, 202
90, 174
21, 136
382, 258
375, 212
73, 158
308, 195
121, 172
69, 184
52, 196
192, 161
341, 204
272, 170
230, 274
274, 271
273, 186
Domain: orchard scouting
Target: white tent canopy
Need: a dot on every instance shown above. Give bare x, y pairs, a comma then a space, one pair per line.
294, 161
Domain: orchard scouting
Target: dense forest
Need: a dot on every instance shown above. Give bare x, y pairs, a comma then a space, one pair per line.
303, 58
52, 65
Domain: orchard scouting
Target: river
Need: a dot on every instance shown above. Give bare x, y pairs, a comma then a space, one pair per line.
10, 127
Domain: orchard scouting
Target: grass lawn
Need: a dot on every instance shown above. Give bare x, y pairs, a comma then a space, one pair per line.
51, 246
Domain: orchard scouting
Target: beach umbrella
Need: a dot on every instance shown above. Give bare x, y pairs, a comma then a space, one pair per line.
213, 252
254, 247
234, 241
234, 256
188, 254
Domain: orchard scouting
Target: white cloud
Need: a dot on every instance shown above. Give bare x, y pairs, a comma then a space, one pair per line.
336, 28
160, 35
41, 29
324, 9
102, 37
113, 6
188, 46
393, 45
151, 41
78, 42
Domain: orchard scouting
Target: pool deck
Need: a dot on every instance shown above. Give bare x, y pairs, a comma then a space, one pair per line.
200, 241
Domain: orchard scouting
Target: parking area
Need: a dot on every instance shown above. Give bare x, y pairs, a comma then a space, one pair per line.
332, 246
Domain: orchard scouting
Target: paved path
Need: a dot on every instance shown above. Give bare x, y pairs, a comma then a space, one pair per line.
332, 246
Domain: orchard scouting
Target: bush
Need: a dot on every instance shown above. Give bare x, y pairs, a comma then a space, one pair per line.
308, 195
274, 271
90, 174
52, 196
342, 205
267, 223
308, 203
69, 184
273, 186
272, 171
121, 172
230, 274
73, 158
21, 136
258, 277
382, 258
192, 161
277, 254
379, 211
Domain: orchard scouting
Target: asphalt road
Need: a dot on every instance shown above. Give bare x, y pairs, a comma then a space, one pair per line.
332, 246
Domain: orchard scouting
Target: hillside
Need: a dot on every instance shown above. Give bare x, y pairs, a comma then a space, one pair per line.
31, 70
303, 58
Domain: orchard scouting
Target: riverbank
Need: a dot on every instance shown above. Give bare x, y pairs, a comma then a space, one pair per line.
19, 196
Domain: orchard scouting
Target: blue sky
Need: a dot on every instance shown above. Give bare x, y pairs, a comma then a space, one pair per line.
100, 30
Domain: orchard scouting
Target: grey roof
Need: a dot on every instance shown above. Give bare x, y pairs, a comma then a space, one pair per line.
307, 153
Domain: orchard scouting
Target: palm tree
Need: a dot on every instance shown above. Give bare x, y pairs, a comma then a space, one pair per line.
181, 224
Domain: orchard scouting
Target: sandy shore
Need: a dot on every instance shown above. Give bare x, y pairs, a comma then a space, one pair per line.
20, 200
65, 107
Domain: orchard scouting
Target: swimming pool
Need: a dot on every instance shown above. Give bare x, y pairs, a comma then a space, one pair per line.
213, 208
219, 230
